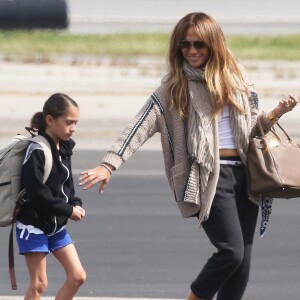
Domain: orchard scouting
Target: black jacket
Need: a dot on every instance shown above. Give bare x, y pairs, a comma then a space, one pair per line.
50, 204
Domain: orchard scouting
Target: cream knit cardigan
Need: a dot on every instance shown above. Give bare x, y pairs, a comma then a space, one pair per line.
182, 174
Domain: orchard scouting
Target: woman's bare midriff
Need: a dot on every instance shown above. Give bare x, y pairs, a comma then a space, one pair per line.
228, 152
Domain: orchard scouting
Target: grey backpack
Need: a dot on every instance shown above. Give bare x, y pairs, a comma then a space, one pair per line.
11, 159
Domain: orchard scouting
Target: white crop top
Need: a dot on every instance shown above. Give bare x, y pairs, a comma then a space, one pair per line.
226, 140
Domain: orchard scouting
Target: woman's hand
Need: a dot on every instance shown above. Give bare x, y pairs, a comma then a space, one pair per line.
285, 105
91, 177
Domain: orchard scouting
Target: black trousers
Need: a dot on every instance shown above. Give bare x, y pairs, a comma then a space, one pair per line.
230, 228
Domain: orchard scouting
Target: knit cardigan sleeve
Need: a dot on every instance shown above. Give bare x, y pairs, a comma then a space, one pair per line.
266, 123
254, 107
143, 126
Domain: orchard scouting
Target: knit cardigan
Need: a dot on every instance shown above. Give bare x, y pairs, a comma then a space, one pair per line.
156, 116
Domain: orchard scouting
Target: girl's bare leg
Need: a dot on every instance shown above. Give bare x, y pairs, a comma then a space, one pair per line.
76, 276
36, 264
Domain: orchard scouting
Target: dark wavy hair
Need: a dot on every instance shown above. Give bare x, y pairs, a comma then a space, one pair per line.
56, 106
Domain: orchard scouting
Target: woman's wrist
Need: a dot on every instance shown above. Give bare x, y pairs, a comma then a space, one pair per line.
277, 114
273, 116
108, 167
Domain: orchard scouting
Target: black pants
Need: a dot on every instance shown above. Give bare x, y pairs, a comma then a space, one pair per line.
230, 228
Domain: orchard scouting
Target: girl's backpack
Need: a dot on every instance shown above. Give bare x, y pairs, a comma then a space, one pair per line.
11, 159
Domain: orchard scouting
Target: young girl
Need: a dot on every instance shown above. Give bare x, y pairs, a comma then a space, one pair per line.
41, 221
205, 113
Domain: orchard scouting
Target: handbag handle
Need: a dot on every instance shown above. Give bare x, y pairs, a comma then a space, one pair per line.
274, 131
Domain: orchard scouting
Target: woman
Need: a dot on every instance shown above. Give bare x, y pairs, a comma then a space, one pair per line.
42, 219
205, 112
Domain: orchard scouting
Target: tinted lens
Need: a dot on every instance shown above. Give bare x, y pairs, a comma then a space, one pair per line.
184, 44
187, 44
199, 44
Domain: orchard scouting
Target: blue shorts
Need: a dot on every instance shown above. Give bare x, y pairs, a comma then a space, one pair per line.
42, 242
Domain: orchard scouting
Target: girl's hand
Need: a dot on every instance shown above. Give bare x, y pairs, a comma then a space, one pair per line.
285, 105
82, 210
77, 214
91, 177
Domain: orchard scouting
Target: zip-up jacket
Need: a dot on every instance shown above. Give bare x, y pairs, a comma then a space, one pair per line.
50, 204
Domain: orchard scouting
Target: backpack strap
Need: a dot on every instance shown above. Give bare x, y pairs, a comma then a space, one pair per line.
48, 154
47, 169
11, 260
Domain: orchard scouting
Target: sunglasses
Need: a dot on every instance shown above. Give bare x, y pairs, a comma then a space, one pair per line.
187, 44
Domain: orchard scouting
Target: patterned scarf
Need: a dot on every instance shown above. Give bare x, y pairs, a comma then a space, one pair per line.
200, 124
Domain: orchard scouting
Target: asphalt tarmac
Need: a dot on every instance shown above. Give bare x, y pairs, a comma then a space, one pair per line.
134, 243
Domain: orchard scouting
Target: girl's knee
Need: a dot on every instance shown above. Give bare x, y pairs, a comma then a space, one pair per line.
39, 285
77, 279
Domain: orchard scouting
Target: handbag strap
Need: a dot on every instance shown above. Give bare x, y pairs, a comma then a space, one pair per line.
263, 134
288, 137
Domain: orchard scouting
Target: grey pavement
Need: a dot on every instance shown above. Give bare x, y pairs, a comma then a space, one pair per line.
110, 95
133, 242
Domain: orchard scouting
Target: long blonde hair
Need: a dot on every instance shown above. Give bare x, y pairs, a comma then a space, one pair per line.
222, 74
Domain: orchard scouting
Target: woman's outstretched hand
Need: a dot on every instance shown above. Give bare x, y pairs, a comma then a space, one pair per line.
285, 105
93, 176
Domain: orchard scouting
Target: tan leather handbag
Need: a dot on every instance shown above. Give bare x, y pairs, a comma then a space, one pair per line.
274, 164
